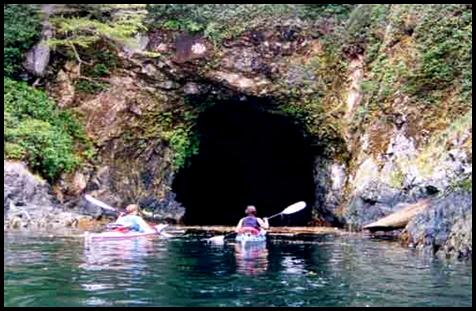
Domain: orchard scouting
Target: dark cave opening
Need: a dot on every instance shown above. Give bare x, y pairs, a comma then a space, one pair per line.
246, 156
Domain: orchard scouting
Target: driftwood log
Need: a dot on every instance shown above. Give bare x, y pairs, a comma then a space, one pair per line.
399, 219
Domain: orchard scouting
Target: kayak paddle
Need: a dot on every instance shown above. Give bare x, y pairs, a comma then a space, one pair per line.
113, 225
291, 209
99, 203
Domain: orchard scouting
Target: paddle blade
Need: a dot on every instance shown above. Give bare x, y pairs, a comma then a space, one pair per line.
296, 207
161, 227
219, 239
99, 203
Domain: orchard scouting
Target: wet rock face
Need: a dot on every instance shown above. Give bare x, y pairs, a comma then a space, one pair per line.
28, 203
38, 57
131, 176
384, 180
375, 201
139, 44
445, 228
189, 48
329, 179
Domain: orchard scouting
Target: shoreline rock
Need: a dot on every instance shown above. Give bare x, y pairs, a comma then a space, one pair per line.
445, 228
28, 203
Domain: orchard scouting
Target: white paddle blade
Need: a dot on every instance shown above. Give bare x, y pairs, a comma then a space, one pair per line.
296, 207
219, 239
161, 227
99, 203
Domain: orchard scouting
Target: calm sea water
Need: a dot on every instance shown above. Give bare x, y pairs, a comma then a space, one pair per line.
186, 271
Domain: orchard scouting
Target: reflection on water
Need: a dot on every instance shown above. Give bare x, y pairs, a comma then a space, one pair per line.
116, 254
251, 258
315, 271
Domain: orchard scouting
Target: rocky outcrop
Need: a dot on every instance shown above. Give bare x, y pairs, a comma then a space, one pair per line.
330, 179
374, 201
402, 172
147, 89
28, 203
445, 228
38, 57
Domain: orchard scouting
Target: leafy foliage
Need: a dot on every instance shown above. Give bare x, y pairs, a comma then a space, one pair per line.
184, 142
44, 146
80, 31
364, 27
89, 87
444, 40
315, 11
425, 58
115, 22
221, 21
37, 132
21, 29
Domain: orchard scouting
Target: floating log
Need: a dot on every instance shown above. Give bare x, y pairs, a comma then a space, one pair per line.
272, 230
399, 219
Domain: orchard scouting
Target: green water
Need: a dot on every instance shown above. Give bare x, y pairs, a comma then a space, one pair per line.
313, 271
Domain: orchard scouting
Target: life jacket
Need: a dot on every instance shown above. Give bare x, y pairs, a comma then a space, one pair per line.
250, 230
250, 221
130, 221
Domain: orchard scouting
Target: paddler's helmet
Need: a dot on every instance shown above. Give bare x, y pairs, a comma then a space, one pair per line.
250, 210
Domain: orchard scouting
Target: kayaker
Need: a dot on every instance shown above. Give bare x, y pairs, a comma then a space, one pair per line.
251, 221
132, 221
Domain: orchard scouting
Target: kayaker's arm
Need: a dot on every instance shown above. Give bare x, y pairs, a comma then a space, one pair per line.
237, 229
263, 223
144, 225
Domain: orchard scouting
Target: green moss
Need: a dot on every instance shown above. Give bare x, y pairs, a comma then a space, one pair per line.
184, 143
317, 101
465, 184
396, 178
13, 151
174, 128
90, 87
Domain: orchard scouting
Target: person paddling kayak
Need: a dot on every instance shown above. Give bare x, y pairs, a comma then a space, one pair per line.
132, 221
251, 223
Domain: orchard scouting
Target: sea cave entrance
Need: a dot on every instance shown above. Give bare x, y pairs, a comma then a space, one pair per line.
246, 156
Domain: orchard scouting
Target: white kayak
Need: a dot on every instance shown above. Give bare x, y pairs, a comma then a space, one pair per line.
249, 237
117, 235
